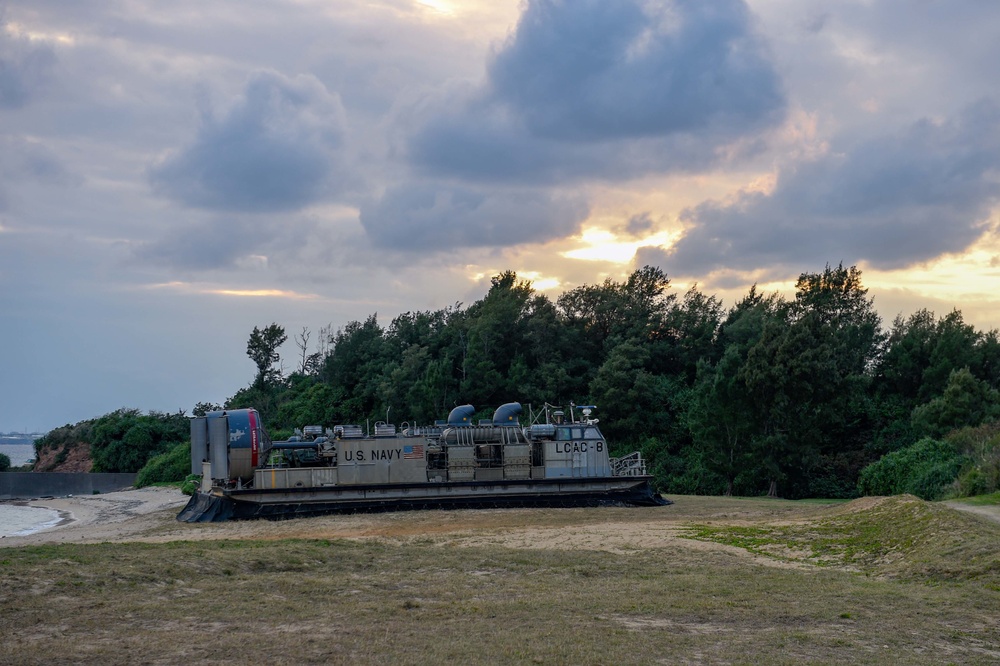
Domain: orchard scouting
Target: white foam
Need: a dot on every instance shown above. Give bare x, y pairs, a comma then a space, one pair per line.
16, 520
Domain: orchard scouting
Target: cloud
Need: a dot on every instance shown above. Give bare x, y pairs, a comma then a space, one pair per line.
596, 70
638, 225
24, 66
892, 201
430, 216
25, 161
276, 150
209, 245
22, 159
592, 89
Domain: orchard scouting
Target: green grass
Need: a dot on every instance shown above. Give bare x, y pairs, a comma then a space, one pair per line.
981, 500
896, 537
319, 601
900, 581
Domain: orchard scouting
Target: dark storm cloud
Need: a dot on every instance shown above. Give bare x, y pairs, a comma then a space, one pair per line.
274, 151
24, 67
421, 216
609, 90
892, 201
587, 71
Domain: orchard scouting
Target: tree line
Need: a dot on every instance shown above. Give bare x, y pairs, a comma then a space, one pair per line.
808, 396
790, 397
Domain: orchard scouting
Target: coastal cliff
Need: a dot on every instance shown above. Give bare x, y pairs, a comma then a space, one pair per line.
64, 457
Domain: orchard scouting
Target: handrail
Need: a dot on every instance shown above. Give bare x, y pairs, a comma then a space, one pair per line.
629, 465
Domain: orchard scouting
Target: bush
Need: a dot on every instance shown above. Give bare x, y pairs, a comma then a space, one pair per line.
169, 467
973, 482
4, 462
982, 446
125, 440
931, 482
191, 483
923, 469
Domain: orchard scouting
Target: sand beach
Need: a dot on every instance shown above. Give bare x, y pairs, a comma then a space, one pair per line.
117, 516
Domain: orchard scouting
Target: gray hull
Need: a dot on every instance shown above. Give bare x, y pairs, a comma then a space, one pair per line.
294, 502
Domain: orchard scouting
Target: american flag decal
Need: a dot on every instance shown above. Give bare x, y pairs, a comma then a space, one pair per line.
415, 452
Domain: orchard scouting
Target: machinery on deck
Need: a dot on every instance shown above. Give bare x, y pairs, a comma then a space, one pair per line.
561, 460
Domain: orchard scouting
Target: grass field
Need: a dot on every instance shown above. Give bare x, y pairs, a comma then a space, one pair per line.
707, 580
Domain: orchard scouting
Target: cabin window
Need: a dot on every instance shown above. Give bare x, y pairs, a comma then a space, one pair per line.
592, 433
570, 434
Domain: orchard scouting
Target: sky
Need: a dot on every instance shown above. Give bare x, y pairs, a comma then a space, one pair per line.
174, 174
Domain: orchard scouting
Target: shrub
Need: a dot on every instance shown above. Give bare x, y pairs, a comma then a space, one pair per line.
923, 469
169, 467
191, 483
4, 462
930, 482
973, 482
123, 441
982, 446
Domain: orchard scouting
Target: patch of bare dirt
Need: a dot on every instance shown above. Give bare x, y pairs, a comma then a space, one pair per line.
67, 458
988, 511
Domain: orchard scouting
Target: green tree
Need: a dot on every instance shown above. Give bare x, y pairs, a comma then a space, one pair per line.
355, 367
4, 462
202, 408
955, 346
688, 335
630, 397
810, 376
500, 350
262, 348
724, 418
966, 402
921, 353
613, 312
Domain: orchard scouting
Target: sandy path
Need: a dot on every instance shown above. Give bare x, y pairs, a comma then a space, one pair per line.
990, 511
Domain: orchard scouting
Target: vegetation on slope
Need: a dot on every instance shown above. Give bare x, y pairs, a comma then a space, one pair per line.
901, 536
122, 441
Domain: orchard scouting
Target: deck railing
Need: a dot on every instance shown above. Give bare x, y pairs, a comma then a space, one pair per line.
630, 465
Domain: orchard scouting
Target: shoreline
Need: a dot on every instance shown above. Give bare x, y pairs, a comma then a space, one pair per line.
24, 519
104, 517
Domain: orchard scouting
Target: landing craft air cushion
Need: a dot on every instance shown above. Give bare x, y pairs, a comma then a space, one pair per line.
452, 464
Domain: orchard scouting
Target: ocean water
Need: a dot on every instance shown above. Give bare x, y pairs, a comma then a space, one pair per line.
19, 454
16, 520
